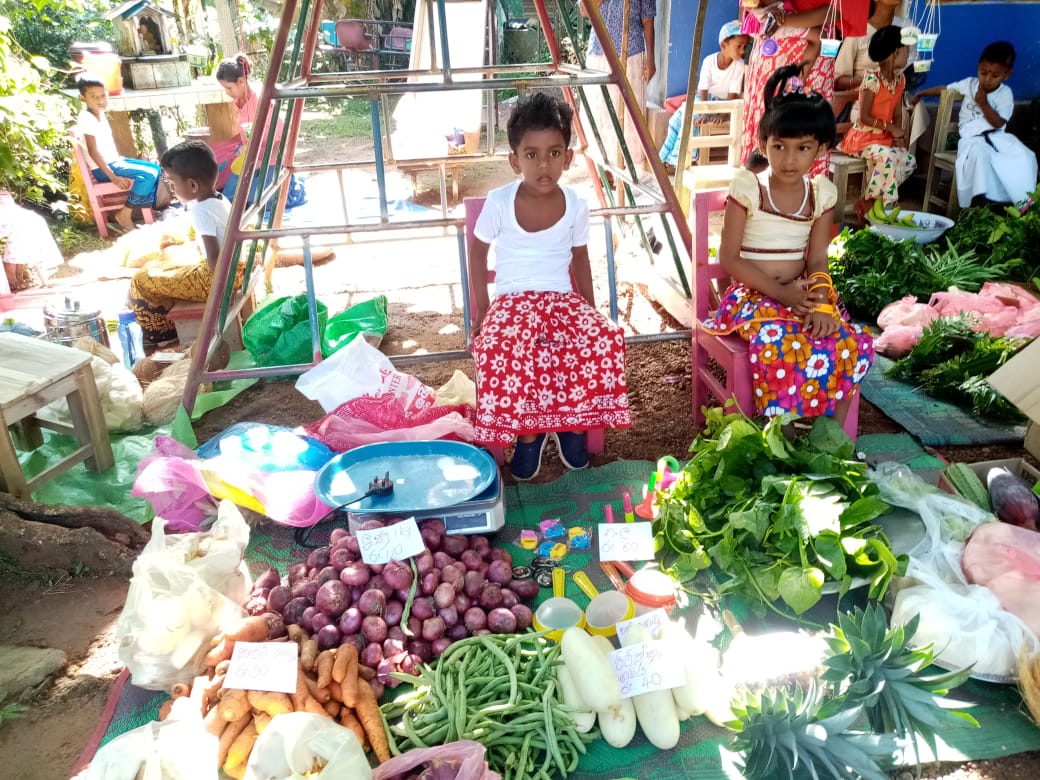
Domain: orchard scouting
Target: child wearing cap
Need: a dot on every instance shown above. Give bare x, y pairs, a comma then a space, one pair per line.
721, 78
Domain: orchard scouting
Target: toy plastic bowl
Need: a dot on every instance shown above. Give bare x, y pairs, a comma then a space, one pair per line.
829, 47
929, 227
922, 66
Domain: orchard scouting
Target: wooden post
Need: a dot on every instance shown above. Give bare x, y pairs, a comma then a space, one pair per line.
227, 19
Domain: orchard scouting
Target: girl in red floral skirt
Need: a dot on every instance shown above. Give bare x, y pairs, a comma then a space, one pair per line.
547, 362
806, 356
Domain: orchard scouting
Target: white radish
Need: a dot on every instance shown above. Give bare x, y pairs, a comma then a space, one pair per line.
593, 674
584, 718
655, 710
618, 726
700, 666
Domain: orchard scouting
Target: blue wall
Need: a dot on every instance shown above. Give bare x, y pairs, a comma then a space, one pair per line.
966, 29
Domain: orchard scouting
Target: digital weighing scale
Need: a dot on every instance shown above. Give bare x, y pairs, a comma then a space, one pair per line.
452, 481
484, 514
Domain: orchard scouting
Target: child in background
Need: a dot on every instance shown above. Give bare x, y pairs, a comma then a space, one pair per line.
547, 363
105, 161
721, 78
191, 170
806, 356
877, 135
991, 163
768, 21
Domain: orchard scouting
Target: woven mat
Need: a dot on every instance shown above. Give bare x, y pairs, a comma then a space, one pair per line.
578, 499
932, 421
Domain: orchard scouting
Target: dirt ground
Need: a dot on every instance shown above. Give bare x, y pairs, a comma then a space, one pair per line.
78, 613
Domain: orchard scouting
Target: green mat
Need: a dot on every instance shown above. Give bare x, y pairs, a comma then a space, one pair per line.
578, 499
932, 421
877, 448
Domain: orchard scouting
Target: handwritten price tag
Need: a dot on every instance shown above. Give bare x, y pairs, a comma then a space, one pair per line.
651, 666
263, 666
397, 542
626, 542
651, 621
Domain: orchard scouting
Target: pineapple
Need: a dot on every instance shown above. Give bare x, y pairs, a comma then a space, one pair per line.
871, 664
792, 734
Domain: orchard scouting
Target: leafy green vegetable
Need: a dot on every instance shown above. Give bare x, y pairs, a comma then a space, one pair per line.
952, 361
774, 518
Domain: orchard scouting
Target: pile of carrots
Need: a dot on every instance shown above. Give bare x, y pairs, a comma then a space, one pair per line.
329, 683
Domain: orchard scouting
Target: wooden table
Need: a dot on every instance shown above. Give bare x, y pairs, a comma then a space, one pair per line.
34, 373
220, 110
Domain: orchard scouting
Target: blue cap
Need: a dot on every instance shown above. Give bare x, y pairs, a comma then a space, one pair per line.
729, 29
127, 316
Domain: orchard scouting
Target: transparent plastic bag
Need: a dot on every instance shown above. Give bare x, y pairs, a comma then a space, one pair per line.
183, 589
178, 748
465, 757
292, 744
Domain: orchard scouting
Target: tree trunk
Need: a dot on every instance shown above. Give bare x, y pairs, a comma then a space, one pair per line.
109, 523
80, 550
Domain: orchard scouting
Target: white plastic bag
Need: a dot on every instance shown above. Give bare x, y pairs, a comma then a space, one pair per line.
178, 748
360, 369
184, 588
294, 744
119, 390
460, 389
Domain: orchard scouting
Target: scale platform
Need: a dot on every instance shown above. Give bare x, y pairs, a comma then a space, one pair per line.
483, 514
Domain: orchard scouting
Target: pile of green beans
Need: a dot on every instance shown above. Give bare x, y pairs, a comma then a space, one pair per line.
499, 690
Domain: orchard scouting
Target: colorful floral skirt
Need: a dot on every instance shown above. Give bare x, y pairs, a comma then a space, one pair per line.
791, 372
547, 361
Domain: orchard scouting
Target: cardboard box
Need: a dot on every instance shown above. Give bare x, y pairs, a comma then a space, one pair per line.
1018, 380
1032, 442
657, 120
1016, 466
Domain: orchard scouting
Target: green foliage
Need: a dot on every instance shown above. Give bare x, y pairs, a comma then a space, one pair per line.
774, 518
45, 28
10, 711
33, 141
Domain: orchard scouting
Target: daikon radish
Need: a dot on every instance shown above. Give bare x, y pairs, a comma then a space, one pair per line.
655, 710
618, 725
591, 671
584, 717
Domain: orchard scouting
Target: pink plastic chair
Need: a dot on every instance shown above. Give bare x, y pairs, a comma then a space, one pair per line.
104, 197
594, 440
714, 355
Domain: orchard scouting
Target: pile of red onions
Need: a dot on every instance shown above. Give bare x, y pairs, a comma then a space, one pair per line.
464, 587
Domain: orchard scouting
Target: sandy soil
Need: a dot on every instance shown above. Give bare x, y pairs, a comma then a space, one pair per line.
78, 614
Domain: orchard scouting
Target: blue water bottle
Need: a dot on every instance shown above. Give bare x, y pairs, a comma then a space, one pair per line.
131, 337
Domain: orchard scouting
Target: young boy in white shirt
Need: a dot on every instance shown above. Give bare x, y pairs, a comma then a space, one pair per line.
105, 161
721, 78
991, 163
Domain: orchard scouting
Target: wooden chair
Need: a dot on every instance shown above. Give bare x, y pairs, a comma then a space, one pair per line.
705, 174
104, 197
942, 158
594, 440
721, 365
842, 165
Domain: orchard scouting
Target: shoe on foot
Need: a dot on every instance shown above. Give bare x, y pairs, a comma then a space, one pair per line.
527, 458
572, 449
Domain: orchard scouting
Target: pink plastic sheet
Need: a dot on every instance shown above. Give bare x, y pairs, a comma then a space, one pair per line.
468, 754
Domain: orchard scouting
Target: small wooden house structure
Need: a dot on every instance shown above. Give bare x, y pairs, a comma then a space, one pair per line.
143, 29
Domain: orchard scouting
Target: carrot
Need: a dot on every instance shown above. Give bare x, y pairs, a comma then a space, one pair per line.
321, 695
240, 749
221, 669
347, 718
270, 702
366, 672
343, 657
233, 704
332, 708
164, 710
367, 711
349, 684
219, 652
296, 634
262, 721
231, 732
212, 687
249, 629
236, 772
178, 690
336, 691
326, 660
213, 723
302, 699
308, 655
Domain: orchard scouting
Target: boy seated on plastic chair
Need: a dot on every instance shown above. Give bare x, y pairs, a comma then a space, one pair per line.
547, 362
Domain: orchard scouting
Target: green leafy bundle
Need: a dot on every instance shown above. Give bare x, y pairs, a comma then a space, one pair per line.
1010, 237
952, 361
773, 519
872, 665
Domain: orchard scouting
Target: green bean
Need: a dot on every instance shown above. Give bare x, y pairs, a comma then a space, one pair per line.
407, 611
550, 730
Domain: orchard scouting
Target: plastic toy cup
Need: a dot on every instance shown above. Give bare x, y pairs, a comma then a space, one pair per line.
922, 66
559, 613
769, 47
649, 589
829, 47
605, 610
926, 42
909, 35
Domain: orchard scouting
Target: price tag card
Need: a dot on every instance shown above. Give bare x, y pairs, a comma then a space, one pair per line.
397, 542
651, 666
651, 621
263, 666
626, 541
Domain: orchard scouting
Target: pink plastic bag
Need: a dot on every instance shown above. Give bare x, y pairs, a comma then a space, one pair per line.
906, 311
468, 755
374, 419
898, 340
171, 484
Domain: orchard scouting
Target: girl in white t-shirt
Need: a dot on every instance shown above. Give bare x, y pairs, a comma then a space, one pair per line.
190, 170
547, 363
